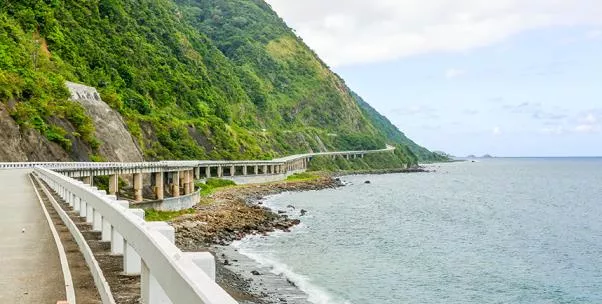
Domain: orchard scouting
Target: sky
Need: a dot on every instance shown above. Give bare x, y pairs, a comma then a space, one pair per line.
499, 77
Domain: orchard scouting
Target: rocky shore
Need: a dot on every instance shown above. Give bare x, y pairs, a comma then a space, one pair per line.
233, 213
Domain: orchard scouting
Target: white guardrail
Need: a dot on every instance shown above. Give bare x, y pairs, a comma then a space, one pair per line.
183, 163
167, 274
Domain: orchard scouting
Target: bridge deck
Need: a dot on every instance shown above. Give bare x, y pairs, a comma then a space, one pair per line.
30, 270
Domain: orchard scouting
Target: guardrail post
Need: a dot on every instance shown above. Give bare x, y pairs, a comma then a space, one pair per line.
97, 217
76, 204
116, 237
90, 210
204, 260
132, 264
151, 290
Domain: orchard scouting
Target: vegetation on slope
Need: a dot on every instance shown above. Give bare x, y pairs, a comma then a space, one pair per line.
193, 79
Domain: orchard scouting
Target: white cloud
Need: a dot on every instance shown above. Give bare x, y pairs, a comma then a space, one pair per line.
496, 131
555, 130
453, 73
346, 32
594, 34
585, 128
590, 119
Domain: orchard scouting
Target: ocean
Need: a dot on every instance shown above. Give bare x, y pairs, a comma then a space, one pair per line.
493, 231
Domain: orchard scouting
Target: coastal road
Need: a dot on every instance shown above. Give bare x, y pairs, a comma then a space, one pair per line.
30, 270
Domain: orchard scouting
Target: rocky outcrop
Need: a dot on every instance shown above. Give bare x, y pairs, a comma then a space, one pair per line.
117, 143
20, 145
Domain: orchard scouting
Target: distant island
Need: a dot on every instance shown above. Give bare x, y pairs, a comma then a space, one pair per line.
484, 156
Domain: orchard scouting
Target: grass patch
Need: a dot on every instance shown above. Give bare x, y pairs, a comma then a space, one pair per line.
302, 177
153, 215
212, 184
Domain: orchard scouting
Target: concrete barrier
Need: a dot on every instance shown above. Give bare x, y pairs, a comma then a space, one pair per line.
171, 203
167, 273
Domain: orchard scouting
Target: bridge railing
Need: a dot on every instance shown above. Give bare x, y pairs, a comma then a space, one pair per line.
176, 164
167, 274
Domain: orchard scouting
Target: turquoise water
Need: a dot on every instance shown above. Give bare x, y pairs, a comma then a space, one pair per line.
496, 231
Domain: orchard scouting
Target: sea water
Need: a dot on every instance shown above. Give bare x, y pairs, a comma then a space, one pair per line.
493, 231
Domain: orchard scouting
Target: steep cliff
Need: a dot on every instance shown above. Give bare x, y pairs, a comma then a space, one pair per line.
189, 78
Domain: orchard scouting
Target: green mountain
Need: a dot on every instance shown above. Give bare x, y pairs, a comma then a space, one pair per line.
192, 79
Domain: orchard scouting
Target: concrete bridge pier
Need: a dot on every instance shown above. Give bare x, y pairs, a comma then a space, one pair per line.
138, 187
265, 169
188, 181
256, 170
232, 170
220, 171
175, 184
113, 184
159, 185
208, 172
244, 170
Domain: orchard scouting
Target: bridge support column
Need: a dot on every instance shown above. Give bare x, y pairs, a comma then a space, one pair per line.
151, 290
265, 169
197, 173
273, 169
208, 172
256, 170
187, 182
232, 170
159, 193
244, 170
132, 264
175, 186
113, 184
138, 187
220, 171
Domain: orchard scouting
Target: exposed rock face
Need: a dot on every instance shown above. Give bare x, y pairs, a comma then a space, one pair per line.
116, 142
18, 145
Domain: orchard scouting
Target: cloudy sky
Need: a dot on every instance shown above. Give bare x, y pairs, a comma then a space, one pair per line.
505, 77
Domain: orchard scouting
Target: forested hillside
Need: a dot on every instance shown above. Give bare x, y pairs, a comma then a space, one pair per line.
193, 79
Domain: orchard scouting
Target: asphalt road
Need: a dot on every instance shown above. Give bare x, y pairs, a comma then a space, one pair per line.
30, 270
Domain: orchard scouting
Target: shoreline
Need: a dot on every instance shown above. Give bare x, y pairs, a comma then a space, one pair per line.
234, 213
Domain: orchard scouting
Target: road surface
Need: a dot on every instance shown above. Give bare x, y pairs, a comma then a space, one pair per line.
30, 270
